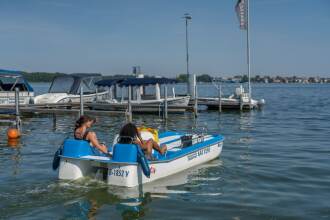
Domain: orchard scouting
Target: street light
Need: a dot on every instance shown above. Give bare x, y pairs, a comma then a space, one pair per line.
187, 17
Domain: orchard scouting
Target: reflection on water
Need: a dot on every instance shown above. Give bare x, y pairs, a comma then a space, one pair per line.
131, 203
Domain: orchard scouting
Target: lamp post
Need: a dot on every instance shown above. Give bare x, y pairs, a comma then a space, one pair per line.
187, 17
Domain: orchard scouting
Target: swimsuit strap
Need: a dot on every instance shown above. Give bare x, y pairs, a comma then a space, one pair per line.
84, 137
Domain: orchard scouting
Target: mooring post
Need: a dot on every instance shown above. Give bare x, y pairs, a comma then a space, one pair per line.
97, 96
241, 102
129, 104
18, 119
196, 101
220, 104
165, 104
81, 101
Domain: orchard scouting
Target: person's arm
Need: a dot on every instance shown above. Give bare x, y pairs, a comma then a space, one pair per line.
93, 139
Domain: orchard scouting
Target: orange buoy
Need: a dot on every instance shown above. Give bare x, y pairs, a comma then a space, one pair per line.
13, 133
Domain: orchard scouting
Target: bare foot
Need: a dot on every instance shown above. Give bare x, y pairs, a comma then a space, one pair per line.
163, 149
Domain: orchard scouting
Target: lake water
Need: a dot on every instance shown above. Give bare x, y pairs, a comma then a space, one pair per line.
275, 164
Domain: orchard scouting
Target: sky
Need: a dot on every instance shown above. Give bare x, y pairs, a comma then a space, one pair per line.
288, 37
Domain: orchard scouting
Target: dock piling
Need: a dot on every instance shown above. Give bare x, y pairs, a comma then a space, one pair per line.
96, 93
165, 104
196, 102
241, 104
17, 114
81, 101
220, 107
129, 104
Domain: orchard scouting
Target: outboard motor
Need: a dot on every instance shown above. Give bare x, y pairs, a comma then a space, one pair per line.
125, 167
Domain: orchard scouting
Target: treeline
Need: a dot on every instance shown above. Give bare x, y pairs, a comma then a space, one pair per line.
199, 78
40, 76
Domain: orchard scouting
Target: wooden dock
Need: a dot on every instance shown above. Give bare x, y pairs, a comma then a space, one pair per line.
95, 108
139, 108
226, 104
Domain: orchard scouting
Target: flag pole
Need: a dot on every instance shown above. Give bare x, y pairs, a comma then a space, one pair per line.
248, 47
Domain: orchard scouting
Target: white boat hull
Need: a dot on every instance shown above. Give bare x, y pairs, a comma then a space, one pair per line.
173, 101
131, 175
200, 149
8, 98
50, 98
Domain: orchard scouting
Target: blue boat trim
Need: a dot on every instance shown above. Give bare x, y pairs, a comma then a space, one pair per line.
170, 156
168, 133
188, 150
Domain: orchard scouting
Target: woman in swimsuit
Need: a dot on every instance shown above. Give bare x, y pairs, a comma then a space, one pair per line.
81, 132
129, 134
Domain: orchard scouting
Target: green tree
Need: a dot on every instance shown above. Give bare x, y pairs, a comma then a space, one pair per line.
244, 79
204, 78
182, 78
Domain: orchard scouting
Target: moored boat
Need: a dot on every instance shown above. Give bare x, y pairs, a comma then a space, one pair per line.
128, 167
145, 90
239, 100
66, 89
9, 81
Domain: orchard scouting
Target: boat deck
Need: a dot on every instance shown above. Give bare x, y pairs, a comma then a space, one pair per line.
174, 145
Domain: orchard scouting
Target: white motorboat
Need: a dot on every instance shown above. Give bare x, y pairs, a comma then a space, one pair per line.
238, 100
66, 89
9, 81
128, 167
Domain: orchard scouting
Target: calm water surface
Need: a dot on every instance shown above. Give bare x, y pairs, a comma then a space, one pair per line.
275, 164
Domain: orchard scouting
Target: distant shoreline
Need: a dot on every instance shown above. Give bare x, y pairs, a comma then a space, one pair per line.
182, 78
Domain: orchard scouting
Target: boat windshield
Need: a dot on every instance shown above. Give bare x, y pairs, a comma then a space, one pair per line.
62, 84
10, 83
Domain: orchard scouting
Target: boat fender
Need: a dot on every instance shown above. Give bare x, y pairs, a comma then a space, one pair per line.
57, 158
142, 160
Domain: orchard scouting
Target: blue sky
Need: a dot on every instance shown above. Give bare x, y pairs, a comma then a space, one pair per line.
108, 36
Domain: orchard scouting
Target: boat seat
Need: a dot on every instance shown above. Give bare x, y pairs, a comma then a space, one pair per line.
79, 148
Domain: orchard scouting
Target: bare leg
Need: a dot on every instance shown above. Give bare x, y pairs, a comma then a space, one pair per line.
156, 146
147, 148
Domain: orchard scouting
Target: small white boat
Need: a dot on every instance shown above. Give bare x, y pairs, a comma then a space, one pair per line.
141, 91
66, 89
128, 166
9, 81
235, 101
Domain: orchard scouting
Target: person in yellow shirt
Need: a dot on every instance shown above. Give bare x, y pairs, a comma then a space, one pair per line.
129, 134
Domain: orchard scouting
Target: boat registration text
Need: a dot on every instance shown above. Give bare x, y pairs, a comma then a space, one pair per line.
199, 153
118, 172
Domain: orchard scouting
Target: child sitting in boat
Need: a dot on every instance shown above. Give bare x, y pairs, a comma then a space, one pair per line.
81, 132
129, 134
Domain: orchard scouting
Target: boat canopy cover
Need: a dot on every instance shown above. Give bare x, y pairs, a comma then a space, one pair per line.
71, 83
146, 81
10, 73
108, 82
13, 77
134, 81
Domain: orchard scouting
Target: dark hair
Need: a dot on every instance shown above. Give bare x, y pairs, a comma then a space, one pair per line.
128, 133
82, 120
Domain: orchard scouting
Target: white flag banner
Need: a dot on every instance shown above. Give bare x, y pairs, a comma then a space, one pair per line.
241, 10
